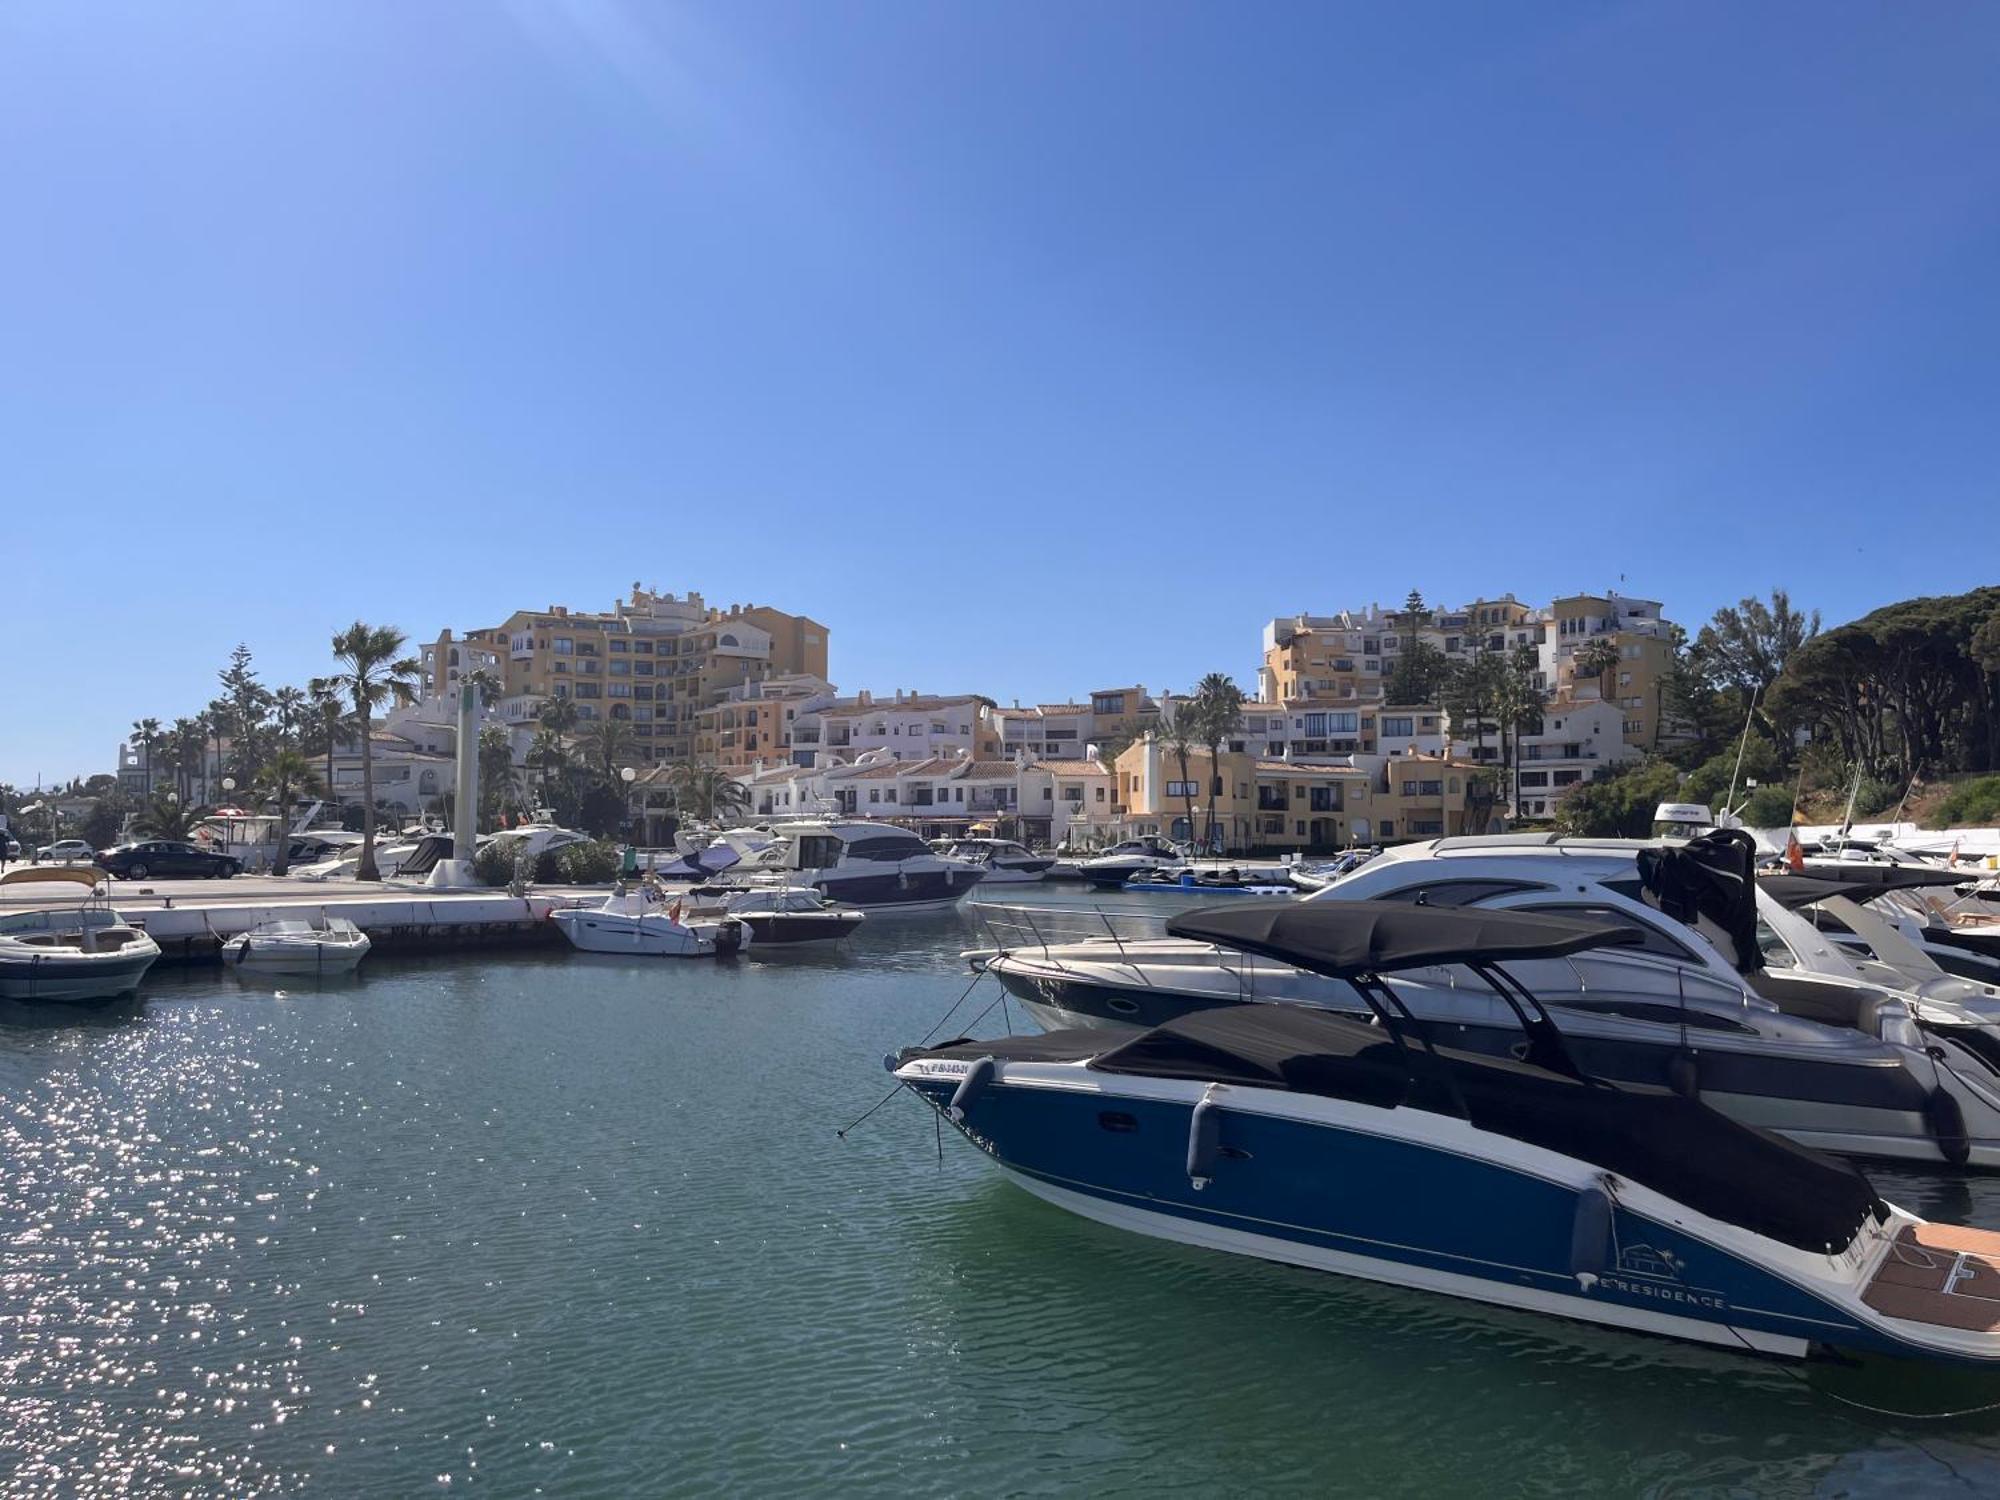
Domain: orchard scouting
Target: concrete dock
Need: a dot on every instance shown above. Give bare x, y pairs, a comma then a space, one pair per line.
191, 919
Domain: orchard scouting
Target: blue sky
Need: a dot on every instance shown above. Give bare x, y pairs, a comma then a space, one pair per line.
1031, 347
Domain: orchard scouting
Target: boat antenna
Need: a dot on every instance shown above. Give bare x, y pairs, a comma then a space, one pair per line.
1742, 743
1853, 792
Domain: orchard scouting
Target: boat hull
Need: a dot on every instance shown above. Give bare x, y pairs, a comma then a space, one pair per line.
268, 956
1394, 1196
891, 891
58, 978
794, 929
653, 936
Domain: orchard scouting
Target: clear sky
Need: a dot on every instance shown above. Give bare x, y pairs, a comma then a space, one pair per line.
1032, 347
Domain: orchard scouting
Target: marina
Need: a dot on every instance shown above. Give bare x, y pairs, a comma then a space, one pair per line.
421, 1216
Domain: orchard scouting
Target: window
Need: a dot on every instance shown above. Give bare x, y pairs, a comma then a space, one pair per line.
1534, 778
621, 669
564, 646
1398, 724
618, 648
1107, 703
1346, 723
1183, 789
1656, 941
1430, 788
1568, 778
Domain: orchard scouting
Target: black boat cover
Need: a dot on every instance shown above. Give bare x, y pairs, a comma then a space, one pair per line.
1348, 938
1713, 876
1654, 1137
1795, 891
1895, 877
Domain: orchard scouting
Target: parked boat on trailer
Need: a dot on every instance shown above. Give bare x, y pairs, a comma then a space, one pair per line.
1375, 1149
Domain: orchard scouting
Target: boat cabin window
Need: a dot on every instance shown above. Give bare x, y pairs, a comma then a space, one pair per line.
1654, 1010
1459, 892
890, 849
1656, 942
815, 851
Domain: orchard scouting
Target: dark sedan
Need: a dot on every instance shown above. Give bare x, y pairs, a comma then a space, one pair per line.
164, 857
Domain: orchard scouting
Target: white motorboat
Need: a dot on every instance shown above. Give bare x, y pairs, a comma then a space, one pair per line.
1730, 997
306, 946
70, 954
1005, 861
777, 916
1122, 861
644, 920
857, 863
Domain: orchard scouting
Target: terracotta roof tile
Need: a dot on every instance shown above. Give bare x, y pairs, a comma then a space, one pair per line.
1070, 767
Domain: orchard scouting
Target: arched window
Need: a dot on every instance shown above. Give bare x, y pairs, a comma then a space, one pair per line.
725, 640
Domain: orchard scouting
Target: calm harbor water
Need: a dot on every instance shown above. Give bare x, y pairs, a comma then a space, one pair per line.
581, 1226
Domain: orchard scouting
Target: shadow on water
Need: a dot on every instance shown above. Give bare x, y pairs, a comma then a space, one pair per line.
101, 1015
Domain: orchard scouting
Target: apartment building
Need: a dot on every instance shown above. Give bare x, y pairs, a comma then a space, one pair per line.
826, 730
655, 660
1348, 657
1058, 729
1043, 801
1270, 805
1643, 639
752, 723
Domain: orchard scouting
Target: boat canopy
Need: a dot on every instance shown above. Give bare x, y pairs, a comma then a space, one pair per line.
1796, 891
36, 875
1893, 877
1346, 939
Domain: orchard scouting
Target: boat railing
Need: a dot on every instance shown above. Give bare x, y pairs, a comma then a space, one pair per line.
1038, 928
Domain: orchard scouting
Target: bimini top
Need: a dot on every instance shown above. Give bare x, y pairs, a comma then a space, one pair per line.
1895, 877
1796, 891
1343, 939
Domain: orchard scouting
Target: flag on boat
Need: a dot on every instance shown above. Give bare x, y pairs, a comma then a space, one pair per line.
1795, 857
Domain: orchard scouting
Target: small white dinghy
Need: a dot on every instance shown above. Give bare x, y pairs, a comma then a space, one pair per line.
644, 921
297, 945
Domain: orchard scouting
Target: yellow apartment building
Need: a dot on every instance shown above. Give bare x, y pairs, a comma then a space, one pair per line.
654, 660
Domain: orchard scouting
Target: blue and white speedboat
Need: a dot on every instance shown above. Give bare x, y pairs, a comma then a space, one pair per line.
858, 864
1374, 1149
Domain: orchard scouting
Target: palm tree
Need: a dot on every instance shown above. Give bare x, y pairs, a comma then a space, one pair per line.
291, 711
707, 793
146, 735
498, 781
165, 817
184, 746
327, 718
1177, 730
607, 745
220, 719
1218, 714
558, 714
1518, 702
286, 777
550, 751
371, 674
1599, 659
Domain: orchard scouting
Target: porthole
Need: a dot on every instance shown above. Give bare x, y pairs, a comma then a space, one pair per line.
1123, 1006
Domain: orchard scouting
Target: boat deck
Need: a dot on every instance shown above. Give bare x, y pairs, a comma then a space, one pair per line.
1942, 1275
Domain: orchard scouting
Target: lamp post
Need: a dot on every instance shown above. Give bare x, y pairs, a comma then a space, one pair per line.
629, 775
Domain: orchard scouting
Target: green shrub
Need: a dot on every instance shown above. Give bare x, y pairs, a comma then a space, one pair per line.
1876, 799
594, 863
494, 864
1974, 803
1768, 807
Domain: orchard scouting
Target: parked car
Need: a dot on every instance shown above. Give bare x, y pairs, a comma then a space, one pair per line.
156, 857
65, 851
12, 847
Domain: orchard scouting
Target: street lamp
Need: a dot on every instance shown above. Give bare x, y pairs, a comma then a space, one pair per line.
629, 775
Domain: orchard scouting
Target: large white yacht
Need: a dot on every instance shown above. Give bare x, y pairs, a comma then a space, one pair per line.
857, 864
1730, 997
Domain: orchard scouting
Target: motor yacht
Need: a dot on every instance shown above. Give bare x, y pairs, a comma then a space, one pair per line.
645, 920
314, 946
1215, 878
1122, 861
68, 954
854, 863
1005, 861
1728, 996
777, 916
1373, 1146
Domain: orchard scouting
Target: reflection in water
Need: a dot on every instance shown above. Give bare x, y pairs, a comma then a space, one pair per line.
583, 1225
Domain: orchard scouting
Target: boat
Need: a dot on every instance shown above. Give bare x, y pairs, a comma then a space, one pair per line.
1372, 1148
777, 915
1214, 879
70, 954
644, 920
872, 867
1729, 996
312, 946
1005, 861
1122, 861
